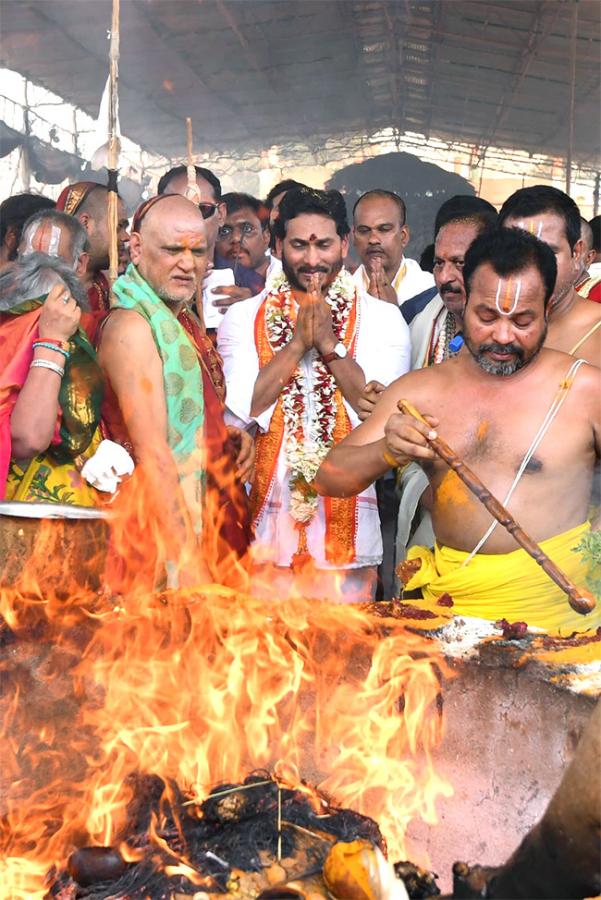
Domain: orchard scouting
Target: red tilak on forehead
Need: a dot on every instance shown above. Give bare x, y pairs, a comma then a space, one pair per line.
312, 237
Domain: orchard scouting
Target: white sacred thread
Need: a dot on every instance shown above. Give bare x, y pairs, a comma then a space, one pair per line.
509, 311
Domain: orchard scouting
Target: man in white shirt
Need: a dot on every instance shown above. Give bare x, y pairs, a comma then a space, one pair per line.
296, 361
380, 235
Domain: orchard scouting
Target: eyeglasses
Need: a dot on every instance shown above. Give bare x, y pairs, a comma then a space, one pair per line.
244, 229
207, 209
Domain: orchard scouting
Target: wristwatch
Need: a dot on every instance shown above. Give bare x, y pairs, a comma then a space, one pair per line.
339, 352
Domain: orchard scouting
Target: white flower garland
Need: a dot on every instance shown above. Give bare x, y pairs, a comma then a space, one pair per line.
306, 450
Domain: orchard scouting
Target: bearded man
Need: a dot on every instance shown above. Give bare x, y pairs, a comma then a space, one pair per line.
161, 399
436, 335
553, 217
296, 360
88, 202
525, 419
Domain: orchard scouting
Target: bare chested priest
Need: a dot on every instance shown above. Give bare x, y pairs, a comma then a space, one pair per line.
525, 418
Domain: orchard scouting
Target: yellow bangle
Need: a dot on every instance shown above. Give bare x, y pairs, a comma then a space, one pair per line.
390, 460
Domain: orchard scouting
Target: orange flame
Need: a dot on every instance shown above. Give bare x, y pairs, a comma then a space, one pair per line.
199, 686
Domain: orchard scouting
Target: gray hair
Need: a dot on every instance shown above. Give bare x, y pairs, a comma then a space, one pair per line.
63, 222
35, 275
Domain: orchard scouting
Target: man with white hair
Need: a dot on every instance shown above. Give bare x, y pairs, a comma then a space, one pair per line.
56, 234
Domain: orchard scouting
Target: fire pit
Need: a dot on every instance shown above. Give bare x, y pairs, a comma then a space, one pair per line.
120, 715
198, 689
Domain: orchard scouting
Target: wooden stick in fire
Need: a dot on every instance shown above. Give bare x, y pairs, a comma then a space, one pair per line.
580, 600
113, 147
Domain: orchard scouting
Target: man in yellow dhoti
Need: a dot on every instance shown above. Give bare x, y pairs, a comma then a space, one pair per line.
525, 418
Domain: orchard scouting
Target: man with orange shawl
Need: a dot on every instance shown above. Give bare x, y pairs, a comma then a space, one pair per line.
296, 361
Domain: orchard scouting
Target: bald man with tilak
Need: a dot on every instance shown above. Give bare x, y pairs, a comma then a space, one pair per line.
161, 398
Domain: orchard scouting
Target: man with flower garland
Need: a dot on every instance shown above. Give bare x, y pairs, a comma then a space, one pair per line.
296, 362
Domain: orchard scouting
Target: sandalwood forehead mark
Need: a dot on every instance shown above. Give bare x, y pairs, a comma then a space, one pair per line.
532, 227
45, 239
503, 301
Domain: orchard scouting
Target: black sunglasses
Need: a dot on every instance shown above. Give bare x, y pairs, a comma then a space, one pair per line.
207, 209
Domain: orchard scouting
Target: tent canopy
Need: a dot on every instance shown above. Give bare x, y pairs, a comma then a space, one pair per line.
262, 72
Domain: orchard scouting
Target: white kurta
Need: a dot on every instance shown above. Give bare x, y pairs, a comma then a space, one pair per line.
413, 282
382, 350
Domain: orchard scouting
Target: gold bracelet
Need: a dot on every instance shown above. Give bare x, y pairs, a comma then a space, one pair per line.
389, 458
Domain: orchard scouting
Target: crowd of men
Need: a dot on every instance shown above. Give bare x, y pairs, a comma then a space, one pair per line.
248, 362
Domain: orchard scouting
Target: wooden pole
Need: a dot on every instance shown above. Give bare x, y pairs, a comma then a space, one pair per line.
574, 36
580, 600
113, 148
192, 192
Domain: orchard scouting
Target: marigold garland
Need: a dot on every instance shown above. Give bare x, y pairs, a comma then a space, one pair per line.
306, 445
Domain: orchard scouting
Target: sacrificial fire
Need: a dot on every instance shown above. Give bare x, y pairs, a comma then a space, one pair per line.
202, 742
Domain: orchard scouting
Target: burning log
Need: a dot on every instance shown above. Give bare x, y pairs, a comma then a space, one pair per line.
582, 601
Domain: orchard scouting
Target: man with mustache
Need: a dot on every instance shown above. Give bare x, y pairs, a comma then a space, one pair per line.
435, 335
551, 215
244, 237
380, 235
296, 361
525, 418
161, 399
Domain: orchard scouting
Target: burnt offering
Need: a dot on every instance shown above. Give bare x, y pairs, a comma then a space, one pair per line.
252, 833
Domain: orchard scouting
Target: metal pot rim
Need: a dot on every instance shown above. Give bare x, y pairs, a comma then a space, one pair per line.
19, 509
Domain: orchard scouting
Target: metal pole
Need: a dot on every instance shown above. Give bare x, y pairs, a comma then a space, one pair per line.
572, 96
